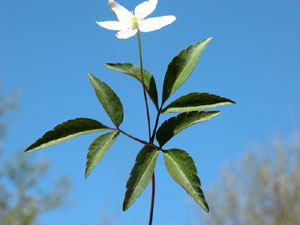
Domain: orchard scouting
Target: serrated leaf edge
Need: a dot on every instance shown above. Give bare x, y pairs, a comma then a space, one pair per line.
66, 138
131, 201
170, 109
181, 115
194, 195
155, 101
171, 92
113, 137
120, 120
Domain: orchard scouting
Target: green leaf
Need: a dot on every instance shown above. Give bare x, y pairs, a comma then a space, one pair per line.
196, 101
140, 174
98, 149
181, 67
109, 100
183, 170
66, 131
135, 71
174, 125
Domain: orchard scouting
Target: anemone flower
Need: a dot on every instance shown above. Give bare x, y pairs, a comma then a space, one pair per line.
129, 23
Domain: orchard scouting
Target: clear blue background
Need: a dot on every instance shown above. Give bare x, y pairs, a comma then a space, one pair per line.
48, 47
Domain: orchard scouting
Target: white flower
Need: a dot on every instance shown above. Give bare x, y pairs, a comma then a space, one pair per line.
130, 23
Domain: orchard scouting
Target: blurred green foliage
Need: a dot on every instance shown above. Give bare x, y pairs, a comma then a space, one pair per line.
22, 197
262, 188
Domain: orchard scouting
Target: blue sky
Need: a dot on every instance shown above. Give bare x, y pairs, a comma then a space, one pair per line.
48, 47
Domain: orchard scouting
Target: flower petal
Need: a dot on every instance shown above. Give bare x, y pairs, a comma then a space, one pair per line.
121, 12
145, 9
156, 23
124, 34
111, 25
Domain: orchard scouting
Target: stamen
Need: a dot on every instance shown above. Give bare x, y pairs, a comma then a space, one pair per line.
135, 21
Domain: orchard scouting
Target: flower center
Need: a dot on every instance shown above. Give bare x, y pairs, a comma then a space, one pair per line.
135, 21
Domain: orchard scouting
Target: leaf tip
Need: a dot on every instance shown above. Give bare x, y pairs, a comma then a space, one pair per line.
108, 65
125, 207
204, 42
205, 206
126, 204
27, 150
90, 75
206, 209
31, 148
86, 174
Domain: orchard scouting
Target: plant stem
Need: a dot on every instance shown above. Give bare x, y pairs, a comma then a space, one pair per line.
142, 78
152, 199
149, 127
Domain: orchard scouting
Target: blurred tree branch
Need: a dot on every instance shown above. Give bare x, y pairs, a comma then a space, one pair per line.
22, 199
262, 188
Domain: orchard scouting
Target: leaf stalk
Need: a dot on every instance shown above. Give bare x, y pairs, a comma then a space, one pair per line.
130, 136
156, 124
